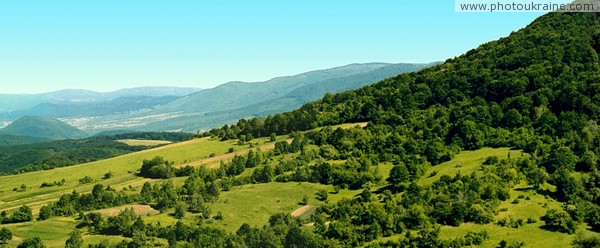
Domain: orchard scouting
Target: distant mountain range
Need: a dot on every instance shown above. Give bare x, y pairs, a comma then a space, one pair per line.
84, 103
42, 128
192, 109
232, 101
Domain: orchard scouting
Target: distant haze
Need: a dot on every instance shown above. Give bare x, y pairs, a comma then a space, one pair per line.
108, 45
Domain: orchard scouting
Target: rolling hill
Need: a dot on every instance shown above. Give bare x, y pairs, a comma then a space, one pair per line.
44, 128
20, 154
498, 147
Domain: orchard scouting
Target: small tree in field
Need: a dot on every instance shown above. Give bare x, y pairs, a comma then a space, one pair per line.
75, 240
32, 243
180, 210
5, 235
304, 201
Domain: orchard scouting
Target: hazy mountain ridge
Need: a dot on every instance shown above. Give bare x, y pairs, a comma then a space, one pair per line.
44, 128
231, 101
10, 103
190, 109
123, 104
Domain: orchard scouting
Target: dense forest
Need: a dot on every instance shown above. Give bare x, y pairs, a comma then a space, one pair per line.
52, 154
535, 91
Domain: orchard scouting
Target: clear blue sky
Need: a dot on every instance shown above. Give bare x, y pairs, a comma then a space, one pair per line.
111, 44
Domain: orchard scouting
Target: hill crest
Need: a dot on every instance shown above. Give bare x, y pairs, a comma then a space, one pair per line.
43, 127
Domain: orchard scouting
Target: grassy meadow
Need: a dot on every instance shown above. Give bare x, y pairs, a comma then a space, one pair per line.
254, 203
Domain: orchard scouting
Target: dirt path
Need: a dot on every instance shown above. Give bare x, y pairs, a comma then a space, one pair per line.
302, 210
362, 124
141, 210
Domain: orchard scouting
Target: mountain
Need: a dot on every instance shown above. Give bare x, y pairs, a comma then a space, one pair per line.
538, 77
120, 105
42, 127
75, 103
461, 154
234, 100
536, 91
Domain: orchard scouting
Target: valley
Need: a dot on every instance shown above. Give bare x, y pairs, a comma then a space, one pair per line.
498, 147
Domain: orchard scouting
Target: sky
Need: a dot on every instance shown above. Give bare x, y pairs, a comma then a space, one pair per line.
113, 44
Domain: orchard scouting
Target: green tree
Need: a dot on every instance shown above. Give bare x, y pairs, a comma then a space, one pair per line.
75, 240
568, 188
139, 239
5, 235
560, 158
299, 238
46, 212
398, 175
22, 214
559, 220
586, 241
538, 176
468, 135
304, 200
32, 243
107, 175
180, 210
322, 194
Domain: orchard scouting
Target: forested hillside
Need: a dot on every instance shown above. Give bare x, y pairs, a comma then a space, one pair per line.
15, 157
536, 90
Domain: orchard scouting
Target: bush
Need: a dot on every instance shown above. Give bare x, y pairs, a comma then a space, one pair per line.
322, 195
514, 244
304, 201
582, 241
108, 175
5, 235
491, 160
32, 243
559, 220
86, 179
23, 214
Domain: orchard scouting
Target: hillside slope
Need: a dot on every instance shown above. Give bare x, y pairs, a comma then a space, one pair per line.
525, 107
536, 90
42, 127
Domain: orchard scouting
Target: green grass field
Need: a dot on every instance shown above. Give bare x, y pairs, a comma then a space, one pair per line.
123, 169
254, 203
524, 203
54, 231
467, 162
530, 205
250, 203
